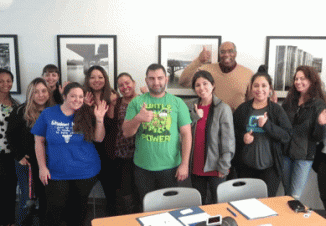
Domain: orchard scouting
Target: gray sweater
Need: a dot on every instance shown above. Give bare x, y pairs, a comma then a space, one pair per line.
220, 139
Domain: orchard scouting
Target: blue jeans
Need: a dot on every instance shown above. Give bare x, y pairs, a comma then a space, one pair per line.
296, 174
25, 203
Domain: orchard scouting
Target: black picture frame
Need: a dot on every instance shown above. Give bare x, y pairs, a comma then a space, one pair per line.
175, 52
77, 53
285, 53
9, 59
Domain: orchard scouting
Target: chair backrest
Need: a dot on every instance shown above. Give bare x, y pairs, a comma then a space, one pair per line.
170, 198
243, 188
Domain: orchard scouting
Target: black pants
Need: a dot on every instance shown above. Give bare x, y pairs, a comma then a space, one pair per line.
8, 183
108, 177
69, 197
118, 183
202, 182
321, 177
127, 200
147, 181
269, 176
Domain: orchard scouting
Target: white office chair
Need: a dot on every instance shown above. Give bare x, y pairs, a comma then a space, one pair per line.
170, 198
243, 188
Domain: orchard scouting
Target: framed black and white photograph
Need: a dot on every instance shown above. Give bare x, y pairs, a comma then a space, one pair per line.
77, 53
175, 53
9, 59
285, 53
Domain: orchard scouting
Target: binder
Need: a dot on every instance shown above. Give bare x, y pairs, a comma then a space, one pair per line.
253, 209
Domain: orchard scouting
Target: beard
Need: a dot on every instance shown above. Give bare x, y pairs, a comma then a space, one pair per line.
157, 91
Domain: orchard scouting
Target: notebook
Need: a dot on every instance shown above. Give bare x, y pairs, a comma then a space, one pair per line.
253, 209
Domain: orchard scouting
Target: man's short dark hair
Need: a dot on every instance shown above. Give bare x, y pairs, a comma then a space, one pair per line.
154, 67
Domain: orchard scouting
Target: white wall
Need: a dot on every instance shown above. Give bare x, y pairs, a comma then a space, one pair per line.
137, 25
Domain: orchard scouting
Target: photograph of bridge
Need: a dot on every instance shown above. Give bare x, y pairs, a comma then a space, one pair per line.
78, 53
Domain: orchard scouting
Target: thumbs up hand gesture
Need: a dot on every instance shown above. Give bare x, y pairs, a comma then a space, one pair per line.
144, 115
248, 138
205, 55
200, 112
262, 120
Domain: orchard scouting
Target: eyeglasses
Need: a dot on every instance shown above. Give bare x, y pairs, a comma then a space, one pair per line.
227, 51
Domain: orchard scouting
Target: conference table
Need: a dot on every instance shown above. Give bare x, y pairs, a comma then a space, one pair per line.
286, 216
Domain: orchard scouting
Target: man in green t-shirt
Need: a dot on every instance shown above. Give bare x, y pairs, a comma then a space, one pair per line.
159, 120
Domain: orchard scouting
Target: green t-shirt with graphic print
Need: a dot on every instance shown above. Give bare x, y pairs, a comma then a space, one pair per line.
158, 144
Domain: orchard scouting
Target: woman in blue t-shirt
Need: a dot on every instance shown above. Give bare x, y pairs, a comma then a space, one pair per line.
67, 158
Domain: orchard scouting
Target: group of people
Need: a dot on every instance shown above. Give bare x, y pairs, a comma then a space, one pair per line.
265, 140
62, 140
56, 143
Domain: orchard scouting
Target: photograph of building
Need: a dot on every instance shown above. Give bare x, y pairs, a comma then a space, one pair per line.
288, 58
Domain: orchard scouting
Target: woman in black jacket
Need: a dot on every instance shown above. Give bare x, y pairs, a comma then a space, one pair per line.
262, 130
305, 107
21, 142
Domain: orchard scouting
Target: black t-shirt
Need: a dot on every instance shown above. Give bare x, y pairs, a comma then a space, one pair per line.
257, 154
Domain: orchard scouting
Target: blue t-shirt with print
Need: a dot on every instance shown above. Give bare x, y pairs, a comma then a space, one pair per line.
69, 156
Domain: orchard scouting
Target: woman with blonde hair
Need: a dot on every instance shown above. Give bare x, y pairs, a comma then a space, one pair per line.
21, 142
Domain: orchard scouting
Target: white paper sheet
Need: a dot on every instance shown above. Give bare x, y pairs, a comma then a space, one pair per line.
162, 219
194, 218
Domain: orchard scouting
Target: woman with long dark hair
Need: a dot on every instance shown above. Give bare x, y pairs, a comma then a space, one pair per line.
305, 107
66, 156
98, 89
262, 131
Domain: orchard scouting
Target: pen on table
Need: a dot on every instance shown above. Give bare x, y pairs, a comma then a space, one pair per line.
233, 213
